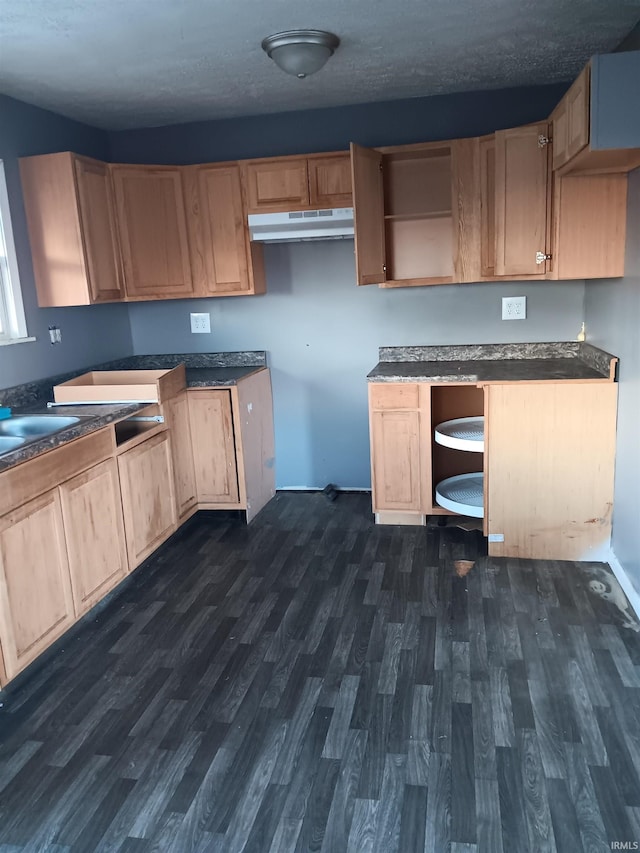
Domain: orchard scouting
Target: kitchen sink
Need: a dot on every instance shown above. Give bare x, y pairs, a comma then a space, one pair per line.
31, 427
9, 443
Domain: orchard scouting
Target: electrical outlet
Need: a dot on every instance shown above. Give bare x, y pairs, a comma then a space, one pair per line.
514, 308
200, 324
55, 335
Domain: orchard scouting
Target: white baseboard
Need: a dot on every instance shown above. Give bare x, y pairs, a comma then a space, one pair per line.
623, 579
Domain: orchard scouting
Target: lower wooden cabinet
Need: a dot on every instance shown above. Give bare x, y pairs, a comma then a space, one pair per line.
184, 477
92, 513
36, 603
548, 462
549, 469
214, 448
148, 500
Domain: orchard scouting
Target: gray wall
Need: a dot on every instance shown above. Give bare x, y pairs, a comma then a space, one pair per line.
612, 312
321, 331
89, 334
322, 334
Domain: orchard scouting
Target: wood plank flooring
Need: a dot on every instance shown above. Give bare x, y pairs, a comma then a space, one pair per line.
313, 682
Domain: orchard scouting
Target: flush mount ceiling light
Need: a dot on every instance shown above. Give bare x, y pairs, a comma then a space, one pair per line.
300, 52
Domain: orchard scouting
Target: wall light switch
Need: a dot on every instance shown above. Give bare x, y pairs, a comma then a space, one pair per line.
514, 308
200, 324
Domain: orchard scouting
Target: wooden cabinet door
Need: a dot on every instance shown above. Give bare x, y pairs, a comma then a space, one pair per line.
521, 184
571, 121
92, 513
36, 605
395, 460
148, 500
177, 410
368, 213
153, 231
98, 224
214, 452
550, 453
488, 206
224, 231
273, 185
330, 181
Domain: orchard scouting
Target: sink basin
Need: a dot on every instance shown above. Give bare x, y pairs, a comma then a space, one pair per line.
30, 427
9, 443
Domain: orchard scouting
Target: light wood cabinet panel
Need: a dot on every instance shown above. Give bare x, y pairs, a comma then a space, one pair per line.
153, 231
330, 181
148, 500
368, 213
521, 185
550, 459
395, 449
177, 412
278, 184
232, 265
571, 121
487, 207
36, 605
70, 217
214, 452
97, 215
92, 513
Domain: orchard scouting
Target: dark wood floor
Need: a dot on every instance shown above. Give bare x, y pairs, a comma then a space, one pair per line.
313, 682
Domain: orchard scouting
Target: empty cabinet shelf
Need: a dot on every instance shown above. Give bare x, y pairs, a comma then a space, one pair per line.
462, 434
462, 494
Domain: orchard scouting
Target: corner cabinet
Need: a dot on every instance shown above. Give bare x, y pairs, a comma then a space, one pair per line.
212, 435
152, 229
546, 471
71, 220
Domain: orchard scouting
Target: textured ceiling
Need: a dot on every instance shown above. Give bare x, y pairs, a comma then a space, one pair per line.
132, 63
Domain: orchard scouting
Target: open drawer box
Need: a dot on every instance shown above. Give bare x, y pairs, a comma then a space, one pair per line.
122, 386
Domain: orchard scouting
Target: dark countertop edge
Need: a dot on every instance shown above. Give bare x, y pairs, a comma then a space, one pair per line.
92, 422
409, 371
89, 423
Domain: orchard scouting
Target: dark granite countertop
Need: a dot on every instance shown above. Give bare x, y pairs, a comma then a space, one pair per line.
212, 377
563, 361
204, 370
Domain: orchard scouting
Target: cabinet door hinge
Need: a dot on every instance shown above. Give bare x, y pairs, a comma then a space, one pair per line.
543, 140
384, 268
541, 257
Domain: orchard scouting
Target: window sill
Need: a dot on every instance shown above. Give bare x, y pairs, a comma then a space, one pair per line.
16, 341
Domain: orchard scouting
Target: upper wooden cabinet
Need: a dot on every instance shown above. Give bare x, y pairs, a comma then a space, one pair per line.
70, 216
570, 121
297, 183
402, 199
596, 125
152, 228
224, 261
521, 192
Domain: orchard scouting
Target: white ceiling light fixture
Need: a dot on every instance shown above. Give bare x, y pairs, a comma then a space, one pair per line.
300, 52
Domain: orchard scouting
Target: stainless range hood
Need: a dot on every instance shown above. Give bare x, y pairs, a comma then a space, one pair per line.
299, 225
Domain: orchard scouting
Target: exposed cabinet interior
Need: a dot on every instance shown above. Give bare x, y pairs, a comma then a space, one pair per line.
449, 402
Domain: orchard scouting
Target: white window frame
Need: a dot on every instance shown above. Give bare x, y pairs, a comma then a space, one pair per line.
13, 324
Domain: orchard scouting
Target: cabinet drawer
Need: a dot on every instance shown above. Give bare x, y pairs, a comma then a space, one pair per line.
401, 395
